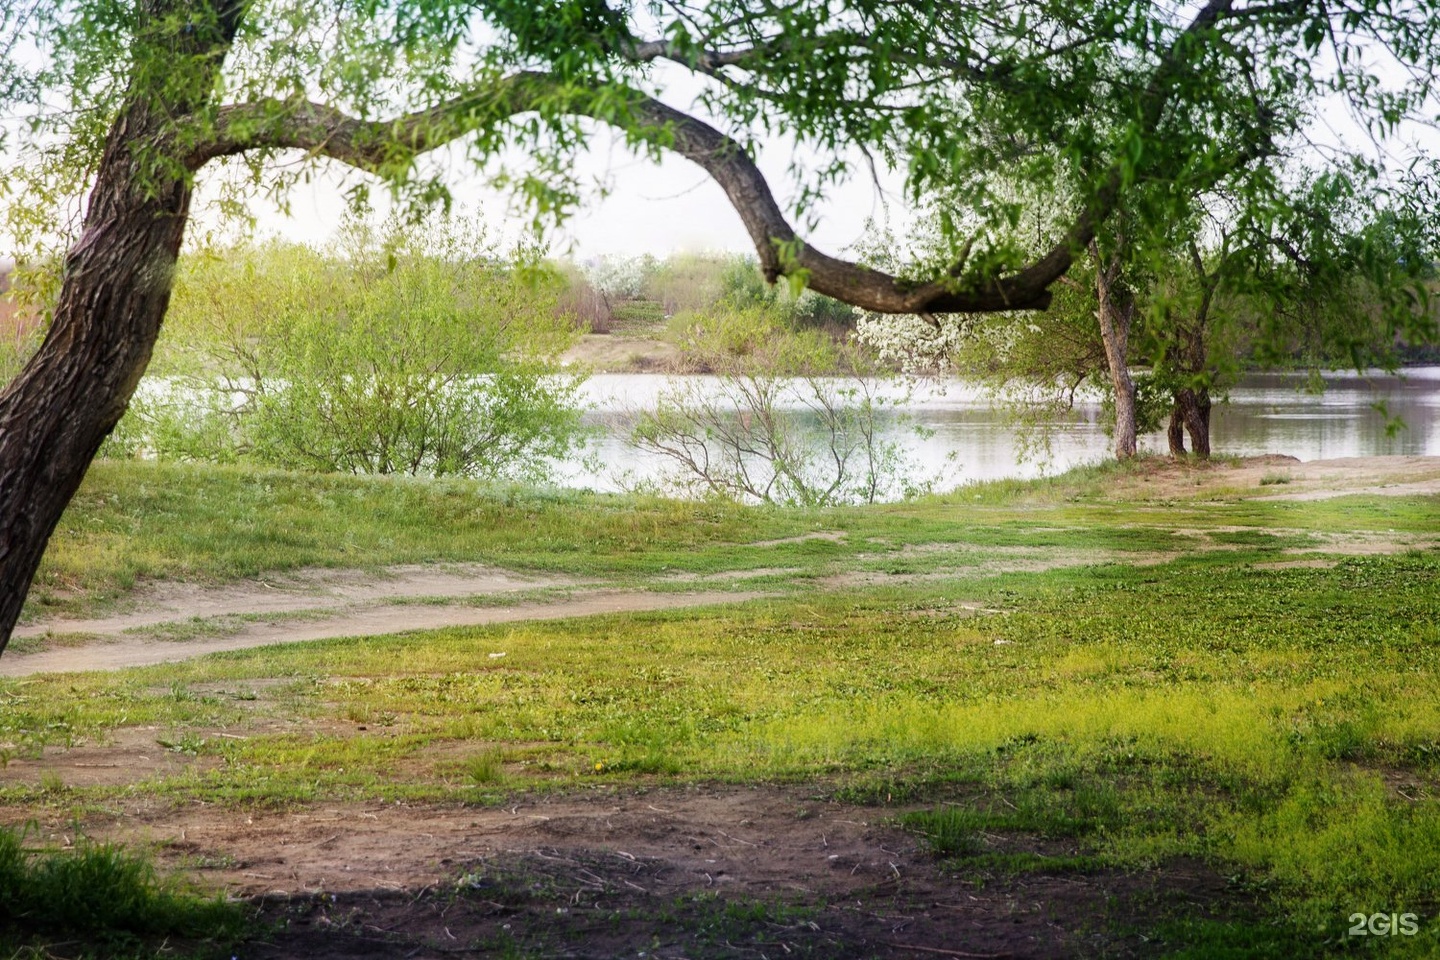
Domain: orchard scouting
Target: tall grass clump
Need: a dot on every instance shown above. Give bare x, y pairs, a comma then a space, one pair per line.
102, 897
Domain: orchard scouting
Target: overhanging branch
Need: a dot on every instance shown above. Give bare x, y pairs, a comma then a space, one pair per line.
388, 148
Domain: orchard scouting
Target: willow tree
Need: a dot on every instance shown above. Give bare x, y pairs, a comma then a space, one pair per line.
120, 107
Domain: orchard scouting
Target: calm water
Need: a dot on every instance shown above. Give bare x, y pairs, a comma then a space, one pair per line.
1267, 413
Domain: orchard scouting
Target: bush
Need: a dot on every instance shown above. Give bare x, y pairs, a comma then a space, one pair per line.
789, 417
410, 351
26, 297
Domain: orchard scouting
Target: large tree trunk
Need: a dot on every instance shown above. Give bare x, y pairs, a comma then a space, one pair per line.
1176, 431
1191, 414
1194, 406
1116, 313
1192, 403
56, 413
114, 291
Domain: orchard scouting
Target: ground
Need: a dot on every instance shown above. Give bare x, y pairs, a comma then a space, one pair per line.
698, 871
1075, 718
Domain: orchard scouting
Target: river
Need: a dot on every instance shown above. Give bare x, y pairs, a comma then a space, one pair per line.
970, 440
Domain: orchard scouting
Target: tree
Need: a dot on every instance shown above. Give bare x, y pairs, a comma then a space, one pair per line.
1334, 273
156, 91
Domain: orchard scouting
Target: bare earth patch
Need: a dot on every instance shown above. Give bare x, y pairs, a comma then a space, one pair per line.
611, 353
699, 871
1280, 477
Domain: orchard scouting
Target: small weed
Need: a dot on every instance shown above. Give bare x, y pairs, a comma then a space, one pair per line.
187, 743
487, 766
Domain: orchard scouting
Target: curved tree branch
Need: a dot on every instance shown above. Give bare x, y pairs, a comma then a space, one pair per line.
388, 148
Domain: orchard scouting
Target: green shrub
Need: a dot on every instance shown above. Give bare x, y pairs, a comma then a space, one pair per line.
411, 351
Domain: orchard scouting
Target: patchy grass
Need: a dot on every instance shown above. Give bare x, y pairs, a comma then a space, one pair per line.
1259, 719
134, 521
1159, 697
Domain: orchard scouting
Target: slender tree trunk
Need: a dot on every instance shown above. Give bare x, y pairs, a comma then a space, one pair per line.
1192, 404
1176, 432
1197, 420
1116, 313
113, 296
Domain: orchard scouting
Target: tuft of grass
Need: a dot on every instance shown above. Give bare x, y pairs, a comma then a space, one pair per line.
99, 894
1273, 479
485, 767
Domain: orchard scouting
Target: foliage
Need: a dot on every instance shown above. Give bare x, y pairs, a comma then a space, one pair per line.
958, 99
412, 351
1035, 367
18, 340
611, 293
1352, 279
620, 278
1330, 271
26, 298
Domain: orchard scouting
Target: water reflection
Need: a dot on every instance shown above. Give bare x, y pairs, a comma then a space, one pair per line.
1266, 413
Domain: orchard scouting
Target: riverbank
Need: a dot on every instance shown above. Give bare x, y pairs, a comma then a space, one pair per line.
1134, 710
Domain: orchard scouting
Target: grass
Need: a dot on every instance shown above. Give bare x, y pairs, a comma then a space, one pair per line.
1282, 725
97, 900
136, 521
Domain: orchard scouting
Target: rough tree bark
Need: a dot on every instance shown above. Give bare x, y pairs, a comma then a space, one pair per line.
1175, 431
1116, 312
1189, 359
1195, 409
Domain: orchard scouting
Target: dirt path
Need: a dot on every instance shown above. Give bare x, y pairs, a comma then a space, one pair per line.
697, 871
178, 621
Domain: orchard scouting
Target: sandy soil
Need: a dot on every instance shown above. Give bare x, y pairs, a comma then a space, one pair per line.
614, 353
1285, 478
112, 644
647, 872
